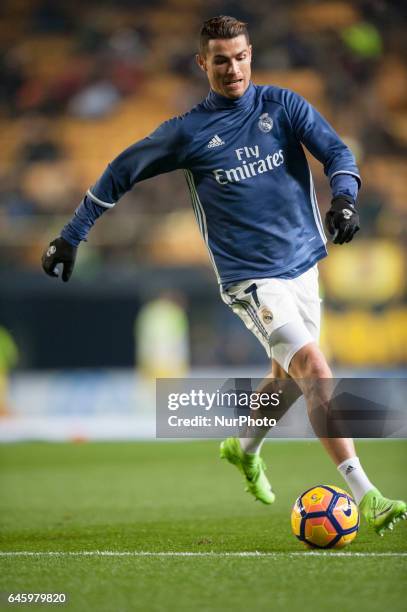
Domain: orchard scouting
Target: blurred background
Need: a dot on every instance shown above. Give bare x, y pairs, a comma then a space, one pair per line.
82, 81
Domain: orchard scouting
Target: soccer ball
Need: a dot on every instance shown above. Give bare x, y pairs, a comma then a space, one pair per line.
325, 517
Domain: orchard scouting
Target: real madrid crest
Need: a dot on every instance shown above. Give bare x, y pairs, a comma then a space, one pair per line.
266, 315
265, 123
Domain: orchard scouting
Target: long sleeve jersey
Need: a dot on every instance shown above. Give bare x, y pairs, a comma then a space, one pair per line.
250, 184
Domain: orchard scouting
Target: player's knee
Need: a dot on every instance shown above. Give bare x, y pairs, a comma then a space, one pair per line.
309, 362
316, 367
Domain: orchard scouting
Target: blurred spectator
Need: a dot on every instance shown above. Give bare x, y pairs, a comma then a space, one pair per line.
12, 76
363, 40
96, 100
15, 204
127, 44
37, 144
8, 360
52, 185
162, 337
50, 17
68, 83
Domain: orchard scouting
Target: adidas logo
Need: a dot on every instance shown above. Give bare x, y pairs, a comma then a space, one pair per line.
349, 469
215, 142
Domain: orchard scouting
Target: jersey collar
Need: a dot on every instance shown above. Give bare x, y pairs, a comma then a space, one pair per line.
215, 101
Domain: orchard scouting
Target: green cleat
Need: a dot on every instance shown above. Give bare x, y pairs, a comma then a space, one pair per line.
382, 513
251, 466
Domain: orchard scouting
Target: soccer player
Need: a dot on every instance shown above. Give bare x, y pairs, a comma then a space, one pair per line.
254, 200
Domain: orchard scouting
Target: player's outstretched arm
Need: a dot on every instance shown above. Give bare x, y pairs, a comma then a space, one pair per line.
160, 152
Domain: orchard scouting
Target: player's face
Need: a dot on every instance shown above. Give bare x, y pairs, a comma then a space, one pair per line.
227, 64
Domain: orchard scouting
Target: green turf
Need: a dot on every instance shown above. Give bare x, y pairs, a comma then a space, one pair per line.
181, 497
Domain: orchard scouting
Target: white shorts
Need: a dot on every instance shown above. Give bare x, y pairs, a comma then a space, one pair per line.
283, 314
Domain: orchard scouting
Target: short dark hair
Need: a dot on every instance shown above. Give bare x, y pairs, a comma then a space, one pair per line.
221, 27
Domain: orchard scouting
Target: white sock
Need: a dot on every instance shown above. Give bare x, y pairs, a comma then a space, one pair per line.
355, 477
252, 445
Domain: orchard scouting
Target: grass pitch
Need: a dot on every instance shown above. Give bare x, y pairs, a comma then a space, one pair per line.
125, 499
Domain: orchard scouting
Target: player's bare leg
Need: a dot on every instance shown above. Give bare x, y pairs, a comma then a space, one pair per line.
244, 452
254, 436
308, 367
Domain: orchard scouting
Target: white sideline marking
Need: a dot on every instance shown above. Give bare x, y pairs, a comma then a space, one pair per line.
137, 553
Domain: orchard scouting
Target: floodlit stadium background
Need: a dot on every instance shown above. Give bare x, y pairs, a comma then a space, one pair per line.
82, 81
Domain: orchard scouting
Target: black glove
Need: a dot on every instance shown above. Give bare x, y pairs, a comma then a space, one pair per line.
342, 220
59, 252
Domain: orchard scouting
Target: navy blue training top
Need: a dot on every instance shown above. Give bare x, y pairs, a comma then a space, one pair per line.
249, 180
